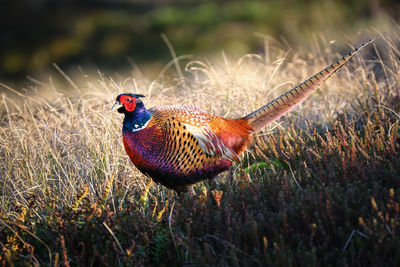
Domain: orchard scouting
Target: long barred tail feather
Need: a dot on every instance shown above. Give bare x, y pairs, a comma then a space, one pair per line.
284, 103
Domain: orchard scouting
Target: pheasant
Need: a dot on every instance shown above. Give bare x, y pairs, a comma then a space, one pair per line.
178, 146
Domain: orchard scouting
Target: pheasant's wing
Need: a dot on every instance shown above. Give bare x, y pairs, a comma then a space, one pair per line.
196, 122
210, 142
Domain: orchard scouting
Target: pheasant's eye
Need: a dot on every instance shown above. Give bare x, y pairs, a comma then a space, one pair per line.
128, 99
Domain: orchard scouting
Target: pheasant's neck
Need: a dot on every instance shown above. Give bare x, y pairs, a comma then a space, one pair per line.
137, 120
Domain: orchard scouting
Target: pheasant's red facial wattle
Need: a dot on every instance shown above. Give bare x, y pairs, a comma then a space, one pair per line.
128, 102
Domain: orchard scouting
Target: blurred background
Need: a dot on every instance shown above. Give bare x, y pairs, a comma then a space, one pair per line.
115, 35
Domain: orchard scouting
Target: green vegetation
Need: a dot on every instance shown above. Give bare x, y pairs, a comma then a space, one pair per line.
110, 35
322, 187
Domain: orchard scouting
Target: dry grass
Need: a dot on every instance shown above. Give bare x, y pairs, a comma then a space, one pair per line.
62, 162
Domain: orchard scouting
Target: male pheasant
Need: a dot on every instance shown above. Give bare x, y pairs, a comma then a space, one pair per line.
178, 146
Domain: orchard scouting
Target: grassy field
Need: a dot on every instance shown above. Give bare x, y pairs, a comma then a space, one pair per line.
320, 186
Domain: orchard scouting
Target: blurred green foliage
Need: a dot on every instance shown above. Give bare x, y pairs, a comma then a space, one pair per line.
108, 35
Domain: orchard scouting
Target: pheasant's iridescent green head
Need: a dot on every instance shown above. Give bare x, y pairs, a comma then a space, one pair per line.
127, 102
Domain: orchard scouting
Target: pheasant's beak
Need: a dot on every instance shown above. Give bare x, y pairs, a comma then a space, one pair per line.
116, 105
